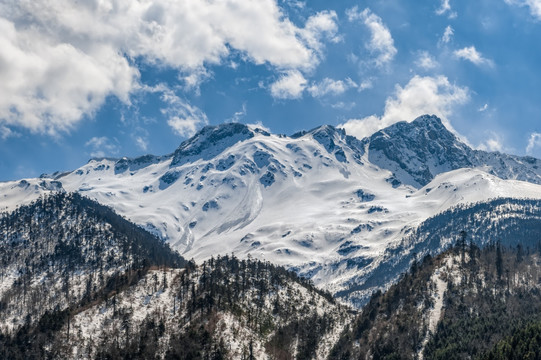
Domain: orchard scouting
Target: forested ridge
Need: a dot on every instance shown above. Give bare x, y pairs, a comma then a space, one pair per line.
458, 305
60, 254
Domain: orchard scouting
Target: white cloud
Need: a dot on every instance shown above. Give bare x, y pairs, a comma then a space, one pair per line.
426, 61
323, 24
289, 86
62, 59
493, 143
343, 105
329, 86
447, 35
5, 132
102, 146
184, 118
365, 85
471, 54
194, 78
533, 142
381, 42
483, 108
422, 95
533, 5
185, 125
141, 143
444, 8
239, 114
47, 86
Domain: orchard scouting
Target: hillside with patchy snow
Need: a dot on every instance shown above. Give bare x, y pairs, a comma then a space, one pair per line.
78, 281
460, 304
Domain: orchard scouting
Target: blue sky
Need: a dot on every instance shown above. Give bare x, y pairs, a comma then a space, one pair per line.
125, 78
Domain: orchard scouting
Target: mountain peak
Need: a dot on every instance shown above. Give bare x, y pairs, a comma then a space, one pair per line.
428, 120
210, 141
425, 126
419, 150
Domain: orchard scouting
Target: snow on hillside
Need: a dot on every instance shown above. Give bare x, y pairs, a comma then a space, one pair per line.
315, 202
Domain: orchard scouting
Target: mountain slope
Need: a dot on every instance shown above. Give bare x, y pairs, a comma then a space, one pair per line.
65, 250
320, 202
512, 221
458, 305
224, 308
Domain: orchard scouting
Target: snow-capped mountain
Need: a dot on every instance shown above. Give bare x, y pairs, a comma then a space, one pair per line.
321, 202
418, 151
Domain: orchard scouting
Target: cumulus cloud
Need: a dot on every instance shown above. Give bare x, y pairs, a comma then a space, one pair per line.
46, 85
471, 54
290, 85
421, 95
331, 87
62, 59
533, 5
381, 42
426, 61
102, 146
483, 108
322, 25
533, 142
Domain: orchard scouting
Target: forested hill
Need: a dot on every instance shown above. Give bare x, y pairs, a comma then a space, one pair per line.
63, 252
224, 308
79, 281
463, 304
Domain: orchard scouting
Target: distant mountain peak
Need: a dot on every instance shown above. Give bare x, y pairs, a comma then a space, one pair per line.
419, 150
428, 120
212, 140
426, 126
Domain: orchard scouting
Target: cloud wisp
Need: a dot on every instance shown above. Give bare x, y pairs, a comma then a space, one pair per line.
102, 146
533, 5
381, 44
533, 142
471, 54
426, 61
331, 87
445, 8
447, 35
